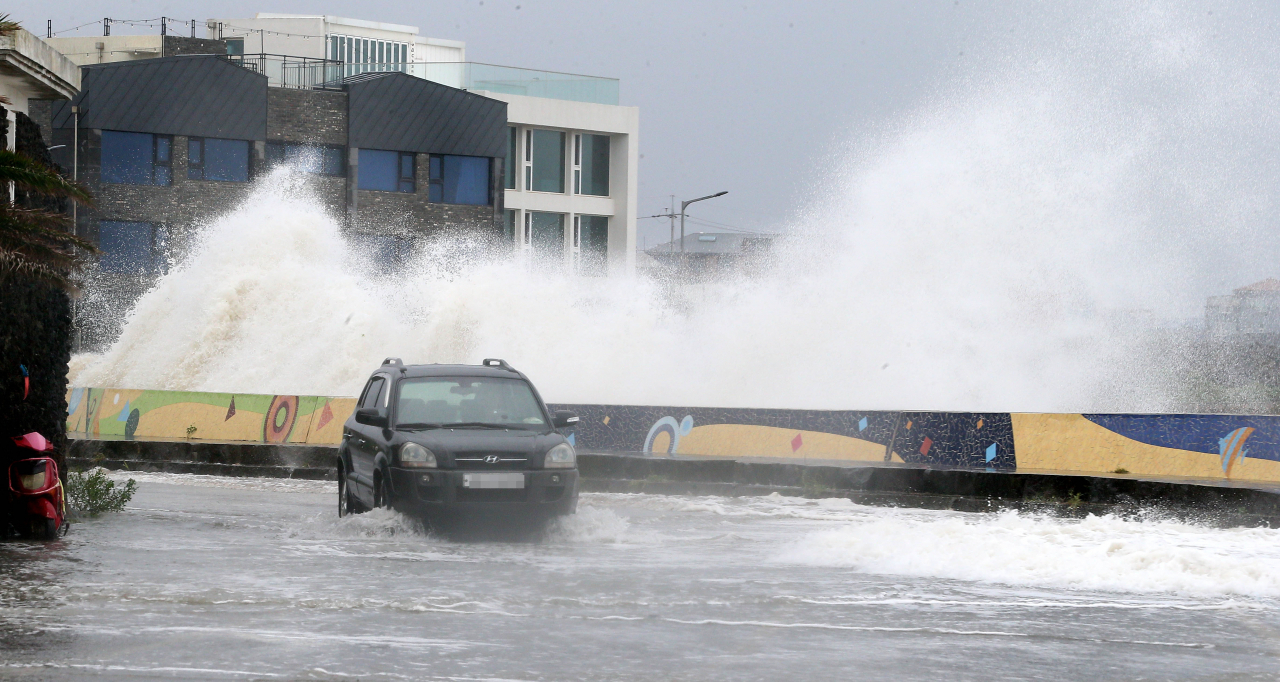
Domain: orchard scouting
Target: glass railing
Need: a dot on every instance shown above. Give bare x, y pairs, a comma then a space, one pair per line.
284, 71
304, 72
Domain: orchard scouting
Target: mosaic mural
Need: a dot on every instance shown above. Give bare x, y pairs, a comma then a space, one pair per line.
110, 413
1241, 448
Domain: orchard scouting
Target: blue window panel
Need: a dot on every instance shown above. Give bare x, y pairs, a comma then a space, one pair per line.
378, 170
127, 158
466, 180
226, 160
126, 246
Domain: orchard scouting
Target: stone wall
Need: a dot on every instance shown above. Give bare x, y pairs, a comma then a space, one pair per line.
180, 45
35, 338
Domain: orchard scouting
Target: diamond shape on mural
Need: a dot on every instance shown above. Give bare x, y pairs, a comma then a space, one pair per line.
326, 416
796, 443
979, 423
924, 447
231, 409
991, 452
862, 424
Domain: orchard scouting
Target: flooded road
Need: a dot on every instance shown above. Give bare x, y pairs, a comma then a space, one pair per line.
213, 578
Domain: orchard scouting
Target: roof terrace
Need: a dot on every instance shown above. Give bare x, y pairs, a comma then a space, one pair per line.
309, 73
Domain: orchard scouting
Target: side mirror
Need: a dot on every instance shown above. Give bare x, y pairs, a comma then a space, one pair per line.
564, 418
372, 416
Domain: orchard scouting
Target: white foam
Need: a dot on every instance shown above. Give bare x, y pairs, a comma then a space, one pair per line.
996, 249
1097, 553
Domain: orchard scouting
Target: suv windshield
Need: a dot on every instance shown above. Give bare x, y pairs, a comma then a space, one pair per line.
477, 401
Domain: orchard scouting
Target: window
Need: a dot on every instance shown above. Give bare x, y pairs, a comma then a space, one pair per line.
592, 236
460, 180
361, 54
235, 46
544, 161
547, 233
314, 159
509, 168
375, 393
137, 158
210, 158
386, 171
130, 247
509, 225
591, 165
454, 400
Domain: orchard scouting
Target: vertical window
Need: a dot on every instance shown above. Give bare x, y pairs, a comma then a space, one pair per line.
509, 225
547, 238
235, 46
386, 171
528, 160
547, 160
129, 247
136, 158
591, 165
509, 168
593, 245
211, 158
374, 392
460, 180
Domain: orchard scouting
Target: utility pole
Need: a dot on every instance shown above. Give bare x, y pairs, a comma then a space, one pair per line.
193, 28
106, 26
671, 213
164, 26
50, 31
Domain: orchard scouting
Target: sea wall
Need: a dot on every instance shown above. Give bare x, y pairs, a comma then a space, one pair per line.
1236, 448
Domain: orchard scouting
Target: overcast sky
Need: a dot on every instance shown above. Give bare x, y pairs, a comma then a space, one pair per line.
740, 96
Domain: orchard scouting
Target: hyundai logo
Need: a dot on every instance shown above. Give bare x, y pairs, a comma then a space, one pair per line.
490, 459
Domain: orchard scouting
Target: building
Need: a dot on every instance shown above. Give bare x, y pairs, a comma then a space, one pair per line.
85, 50
166, 143
570, 199
574, 152
31, 70
1251, 311
709, 255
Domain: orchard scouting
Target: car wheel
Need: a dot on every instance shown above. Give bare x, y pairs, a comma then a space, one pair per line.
344, 503
382, 493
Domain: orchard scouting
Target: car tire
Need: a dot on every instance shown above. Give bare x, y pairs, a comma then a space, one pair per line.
382, 493
344, 500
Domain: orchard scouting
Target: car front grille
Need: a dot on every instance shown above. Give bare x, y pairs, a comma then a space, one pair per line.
503, 463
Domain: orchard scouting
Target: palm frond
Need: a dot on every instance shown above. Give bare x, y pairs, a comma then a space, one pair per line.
31, 175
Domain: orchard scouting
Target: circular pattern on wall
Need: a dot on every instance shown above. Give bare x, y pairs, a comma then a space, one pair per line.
278, 422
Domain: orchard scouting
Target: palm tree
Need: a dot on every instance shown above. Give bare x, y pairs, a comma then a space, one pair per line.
35, 242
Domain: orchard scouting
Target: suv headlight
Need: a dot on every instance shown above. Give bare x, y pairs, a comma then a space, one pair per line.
561, 456
414, 455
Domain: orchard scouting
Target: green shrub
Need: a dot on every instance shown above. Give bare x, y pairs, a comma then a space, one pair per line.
92, 493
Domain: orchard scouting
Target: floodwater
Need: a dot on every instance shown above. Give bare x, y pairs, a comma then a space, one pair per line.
215, 578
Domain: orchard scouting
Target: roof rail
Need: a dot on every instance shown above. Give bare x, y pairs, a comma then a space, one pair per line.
397, 362
499, 363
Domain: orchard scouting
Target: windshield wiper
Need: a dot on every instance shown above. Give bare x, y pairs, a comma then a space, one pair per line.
417, 426
477, 425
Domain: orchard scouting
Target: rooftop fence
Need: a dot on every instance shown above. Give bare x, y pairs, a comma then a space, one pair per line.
310, 73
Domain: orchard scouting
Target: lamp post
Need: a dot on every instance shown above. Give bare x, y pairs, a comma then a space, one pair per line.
683, 206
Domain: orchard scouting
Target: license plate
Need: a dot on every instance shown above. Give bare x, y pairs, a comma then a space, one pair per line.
492, 481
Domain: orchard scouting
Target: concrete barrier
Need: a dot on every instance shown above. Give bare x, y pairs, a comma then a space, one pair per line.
1233, 449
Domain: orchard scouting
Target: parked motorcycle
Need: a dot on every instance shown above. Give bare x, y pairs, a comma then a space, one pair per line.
38, 501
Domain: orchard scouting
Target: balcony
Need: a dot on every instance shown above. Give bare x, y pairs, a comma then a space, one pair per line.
326, 74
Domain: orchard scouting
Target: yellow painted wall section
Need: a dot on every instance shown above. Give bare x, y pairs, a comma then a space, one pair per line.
1071, 443
742, 440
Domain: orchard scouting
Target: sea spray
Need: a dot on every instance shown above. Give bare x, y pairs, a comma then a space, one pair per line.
1009, 245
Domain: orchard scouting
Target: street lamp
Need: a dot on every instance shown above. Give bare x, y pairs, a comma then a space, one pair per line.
683, 206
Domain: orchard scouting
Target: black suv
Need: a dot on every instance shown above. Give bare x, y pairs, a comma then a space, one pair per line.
442, 441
